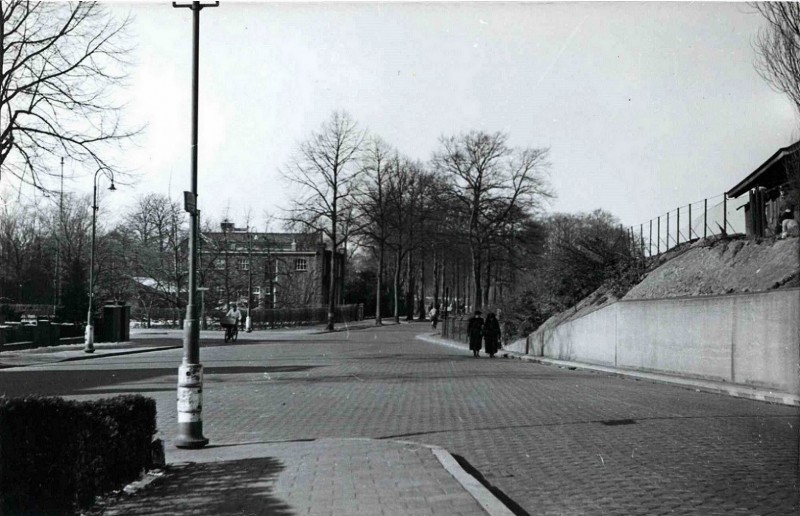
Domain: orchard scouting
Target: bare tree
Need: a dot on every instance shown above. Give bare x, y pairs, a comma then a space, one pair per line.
778, 47
409, 185
157, 227
59, 62
490, 180
324, 168
372, 204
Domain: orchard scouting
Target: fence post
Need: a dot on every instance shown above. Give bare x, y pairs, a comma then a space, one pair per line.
690, 222
678, 228
658, 238
641, 238
724, 214
667, 246
650, 240
705, 218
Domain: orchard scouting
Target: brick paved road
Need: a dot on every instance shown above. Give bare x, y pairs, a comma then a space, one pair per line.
555, 441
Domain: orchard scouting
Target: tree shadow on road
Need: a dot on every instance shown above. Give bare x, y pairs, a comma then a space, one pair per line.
219, 488
66, 382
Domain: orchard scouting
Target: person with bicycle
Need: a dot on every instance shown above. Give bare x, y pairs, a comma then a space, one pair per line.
232, 318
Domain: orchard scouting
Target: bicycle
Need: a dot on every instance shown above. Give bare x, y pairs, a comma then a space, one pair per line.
231, 327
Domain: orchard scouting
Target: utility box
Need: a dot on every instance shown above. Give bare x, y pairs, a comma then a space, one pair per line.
45, 334
116, 323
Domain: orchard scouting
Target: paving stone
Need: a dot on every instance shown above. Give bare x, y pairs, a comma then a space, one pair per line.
533, 431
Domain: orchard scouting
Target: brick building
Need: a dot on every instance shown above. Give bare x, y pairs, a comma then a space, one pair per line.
269, 270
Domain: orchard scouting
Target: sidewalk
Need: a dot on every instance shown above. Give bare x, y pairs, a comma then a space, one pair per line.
736, 390
70, 352
350, 477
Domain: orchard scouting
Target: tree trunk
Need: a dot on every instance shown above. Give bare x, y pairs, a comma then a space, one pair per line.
421, 302
379, 287
443, 275
488, 280
332, 282
457, 283
477, 295
435, 278
410, 287
397, 264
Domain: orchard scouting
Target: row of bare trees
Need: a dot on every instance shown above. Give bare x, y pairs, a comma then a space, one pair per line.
44, 254
471, 208
466, 229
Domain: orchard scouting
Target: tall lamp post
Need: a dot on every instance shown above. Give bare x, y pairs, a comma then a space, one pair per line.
89, 346
190, 372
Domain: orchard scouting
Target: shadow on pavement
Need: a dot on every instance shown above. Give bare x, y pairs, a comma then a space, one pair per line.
216, 488
23, 381
508, 502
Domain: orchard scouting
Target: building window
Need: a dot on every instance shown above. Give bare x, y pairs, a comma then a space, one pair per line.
220, 291
219, 264
256, 291
242, 264
300, 264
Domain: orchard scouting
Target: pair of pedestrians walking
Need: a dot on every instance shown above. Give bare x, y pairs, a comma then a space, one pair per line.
487, 331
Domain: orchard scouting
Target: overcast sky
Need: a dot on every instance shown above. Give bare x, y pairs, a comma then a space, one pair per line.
644, 106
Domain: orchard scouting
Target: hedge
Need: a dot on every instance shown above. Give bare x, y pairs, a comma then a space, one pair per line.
57, 455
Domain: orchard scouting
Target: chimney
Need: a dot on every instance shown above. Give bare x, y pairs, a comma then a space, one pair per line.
226, 226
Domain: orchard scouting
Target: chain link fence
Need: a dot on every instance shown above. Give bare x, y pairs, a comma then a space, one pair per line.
710, 217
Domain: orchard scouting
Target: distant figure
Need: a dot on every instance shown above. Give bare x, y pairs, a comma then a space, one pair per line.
789, 228
786, 207
491, 334
434, 315
234, 313
475, 332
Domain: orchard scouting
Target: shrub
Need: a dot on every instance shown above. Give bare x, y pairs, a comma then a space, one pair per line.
56, 455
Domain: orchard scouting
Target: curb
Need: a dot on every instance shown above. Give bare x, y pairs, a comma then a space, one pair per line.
735, 390
490, 503
90, 356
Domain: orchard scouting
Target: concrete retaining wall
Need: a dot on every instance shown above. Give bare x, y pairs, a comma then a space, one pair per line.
748, 339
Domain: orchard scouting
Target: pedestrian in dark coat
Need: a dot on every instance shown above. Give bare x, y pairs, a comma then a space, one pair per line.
475, 332
491, 334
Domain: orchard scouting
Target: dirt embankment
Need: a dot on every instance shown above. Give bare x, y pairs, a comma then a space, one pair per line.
706, 267
724, 267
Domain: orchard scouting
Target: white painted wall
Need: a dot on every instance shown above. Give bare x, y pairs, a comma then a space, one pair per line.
750, 339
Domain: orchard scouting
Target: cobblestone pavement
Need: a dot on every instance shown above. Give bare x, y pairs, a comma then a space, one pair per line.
555, 441
353, 477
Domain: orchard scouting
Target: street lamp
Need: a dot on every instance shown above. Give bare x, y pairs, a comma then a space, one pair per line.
89, 347
190, 372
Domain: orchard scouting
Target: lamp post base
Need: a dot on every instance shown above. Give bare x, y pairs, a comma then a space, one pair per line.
190, 407
190, 435
89, 339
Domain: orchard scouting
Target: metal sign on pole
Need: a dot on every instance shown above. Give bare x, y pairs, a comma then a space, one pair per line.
190, 372
190, 203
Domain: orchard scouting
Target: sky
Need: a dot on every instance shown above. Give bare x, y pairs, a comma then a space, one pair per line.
644, 106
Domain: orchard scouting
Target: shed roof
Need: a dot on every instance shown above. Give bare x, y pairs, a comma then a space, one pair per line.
770, 174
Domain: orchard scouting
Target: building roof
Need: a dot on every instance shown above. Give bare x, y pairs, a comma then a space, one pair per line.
770, 174
274, 241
